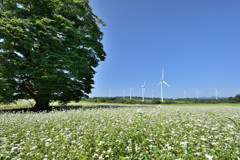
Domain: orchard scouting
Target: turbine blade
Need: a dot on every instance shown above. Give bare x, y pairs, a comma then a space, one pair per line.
166, 83
162, 73
159, 83
217, 91
197, 90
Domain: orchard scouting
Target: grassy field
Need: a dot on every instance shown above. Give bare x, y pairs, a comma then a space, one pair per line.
84, 104
169, 132
205, 104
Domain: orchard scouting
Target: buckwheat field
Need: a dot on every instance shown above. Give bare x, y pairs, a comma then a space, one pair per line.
170, 132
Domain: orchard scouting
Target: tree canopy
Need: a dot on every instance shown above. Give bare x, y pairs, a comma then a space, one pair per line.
48, 50
235, 99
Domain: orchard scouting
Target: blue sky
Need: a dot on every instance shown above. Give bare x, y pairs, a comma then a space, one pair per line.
197, 42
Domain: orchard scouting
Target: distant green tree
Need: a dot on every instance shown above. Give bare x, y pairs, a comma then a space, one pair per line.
230, 100
169, 101
156, 101
235, 99
48, 50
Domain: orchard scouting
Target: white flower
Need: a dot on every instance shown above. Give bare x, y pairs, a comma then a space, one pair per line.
229, 139
100, 143
4, 139
214, 129
209, 157
197, 154
214, 143
49, 140
47, 144
74, 141
159, 106
184, 144
128, 148
95, 155
169, 147
139, 111
230, 126
13, 149
34, 147
100, 157
204, 139
149, 140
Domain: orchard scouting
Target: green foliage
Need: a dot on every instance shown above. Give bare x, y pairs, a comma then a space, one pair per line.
138, 100
235, 99
237, 125
202, 100
127, 100
48, 50
169, 101
156, 101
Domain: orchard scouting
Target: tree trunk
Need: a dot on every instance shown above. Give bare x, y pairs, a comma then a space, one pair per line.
42, 104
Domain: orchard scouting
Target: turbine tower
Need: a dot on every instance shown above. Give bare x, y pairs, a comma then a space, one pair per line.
131, 91
143, 91
152, 93
184, 93
161, 83
197, 93
124, 90
216, 93
110, 93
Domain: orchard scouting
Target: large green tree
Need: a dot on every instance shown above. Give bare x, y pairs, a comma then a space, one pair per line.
48, 50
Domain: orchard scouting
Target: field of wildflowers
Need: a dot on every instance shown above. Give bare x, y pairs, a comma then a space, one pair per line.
170, 132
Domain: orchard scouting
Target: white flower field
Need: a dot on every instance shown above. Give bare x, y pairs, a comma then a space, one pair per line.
170, 132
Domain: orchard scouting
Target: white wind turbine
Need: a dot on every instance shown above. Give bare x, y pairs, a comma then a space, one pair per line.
152, 93
131, 91
197, 93
184, 94
216, 93
143, 90
124, 90
110, 93
161, 83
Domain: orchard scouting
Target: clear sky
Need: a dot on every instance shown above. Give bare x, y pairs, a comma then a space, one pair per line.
197, 42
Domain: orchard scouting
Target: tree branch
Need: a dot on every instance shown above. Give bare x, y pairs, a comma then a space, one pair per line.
29, 91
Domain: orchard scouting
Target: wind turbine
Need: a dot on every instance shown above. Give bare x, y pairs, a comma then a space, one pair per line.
131, 91
143, 90
152, 93
110, 93
197, 92
124, 90
216, 93
161, 83
184, 94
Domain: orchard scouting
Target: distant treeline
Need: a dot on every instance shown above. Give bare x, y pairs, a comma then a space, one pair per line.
235, 99
126, 100
147, 100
